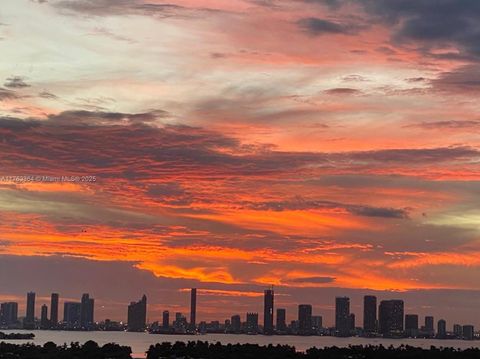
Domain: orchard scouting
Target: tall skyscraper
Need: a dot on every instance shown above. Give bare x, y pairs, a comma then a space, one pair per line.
429, 325
137, 315
44, 317
166, 319
193, 309
369, 314
391, 317
441, 329
281, 320
457, 330
236, 323
411, 325
304, 319
351, 322
71, 314
54, 310
268, 311
30, 314
317, 322
87, 311
180, 323
468, 332
252, 323
8, 313
342, 316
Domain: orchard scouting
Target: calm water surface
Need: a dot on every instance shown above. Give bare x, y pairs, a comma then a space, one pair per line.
139, 342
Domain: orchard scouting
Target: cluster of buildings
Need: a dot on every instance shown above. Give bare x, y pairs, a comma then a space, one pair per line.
386, 319
76, 315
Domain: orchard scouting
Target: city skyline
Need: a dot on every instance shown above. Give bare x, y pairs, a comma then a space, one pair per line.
326, 147
386, 318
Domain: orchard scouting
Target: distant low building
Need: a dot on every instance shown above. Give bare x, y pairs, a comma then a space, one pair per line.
29, 321
304, 319
457, 330
166, 319
411, 325
54, 310
8, 314
71, 314
235, 324
468, 332
252, 323
87, 311
137, 315
441, 329
391, 317
342, 316
281, 326
369, 314
44, 322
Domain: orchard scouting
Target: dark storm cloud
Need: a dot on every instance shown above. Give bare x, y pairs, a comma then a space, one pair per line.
431, 22
95, 118
130, 146
304, 204
6, 94
464, 79
16, 82
334, 4
416, 79
368, 211
416, 156
386, 50
125, 7
14, 124
47, 95
316, 280
342, 91
316, 26
448, 124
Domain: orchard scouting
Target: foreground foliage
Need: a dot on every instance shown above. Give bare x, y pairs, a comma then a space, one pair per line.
205, 350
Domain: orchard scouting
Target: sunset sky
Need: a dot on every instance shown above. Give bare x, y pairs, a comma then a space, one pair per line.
326, 147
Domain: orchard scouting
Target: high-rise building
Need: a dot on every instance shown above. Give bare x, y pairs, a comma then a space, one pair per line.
180, 323
342, 316
352, 321
87, 311
166, 319
44, 324
54, 310
411, 325
370, 314
252, 323
71, 314
304, 319
235, 323
429, 325
391, 317
281, 320
468, 332
30, 314
441, 329
457, 330
193, 309
317, 322
8, 313
268, 311
137, 315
